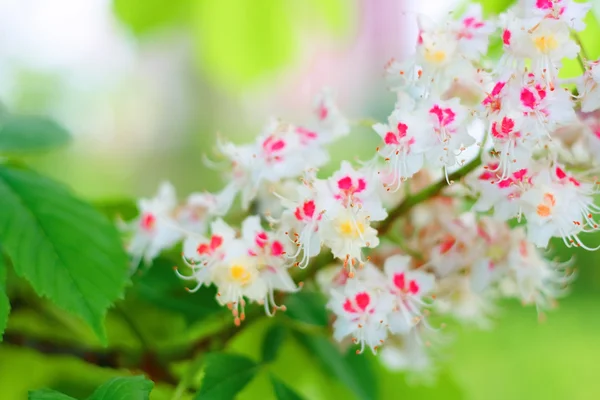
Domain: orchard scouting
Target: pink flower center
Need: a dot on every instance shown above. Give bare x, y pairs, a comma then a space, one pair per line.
306, 211
519, 176
492, 100
444, 116
469, 24
273, 145
361, 300
306, 135
400, 283
322, 112
277, 248
562, 175
528, 99
148, 221
544, 4
261, 239
506, 35
392, 138
349, 188
504, 129
208, 248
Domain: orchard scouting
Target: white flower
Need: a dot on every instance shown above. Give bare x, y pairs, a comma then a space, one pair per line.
282, 151
408, 287
559, 205
472, 32
270, 253
361, 312
405, 143
238, 276
155, 229
302, 221
448, 121
349, 188
513, 146
407, 353
589, 87
346, 231
329, 124
547, 42
201, 253
569, 12
404, 78
456, 297
545, 107
537, 280
503, 195
492, 262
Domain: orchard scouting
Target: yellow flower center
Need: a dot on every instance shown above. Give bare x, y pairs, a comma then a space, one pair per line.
496, 253
545, 44
352, 228
435, 56
240, 274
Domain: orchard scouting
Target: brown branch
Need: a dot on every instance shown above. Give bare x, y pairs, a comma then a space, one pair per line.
425, 194
116, 358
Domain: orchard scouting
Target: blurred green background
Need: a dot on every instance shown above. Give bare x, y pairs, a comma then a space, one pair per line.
145, 85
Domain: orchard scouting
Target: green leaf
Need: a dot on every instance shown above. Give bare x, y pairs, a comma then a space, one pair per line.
162, 288
124, 388
589, 41
225, 375
22, 133
362, 367
68, 251
48, 394
124, 209
4, 303
272, 342
494, 7
307, 307
357, 375
283, 391
443, 387
147, 16
239, 42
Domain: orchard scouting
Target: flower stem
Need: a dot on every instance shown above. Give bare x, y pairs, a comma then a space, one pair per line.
425, 194
582, 56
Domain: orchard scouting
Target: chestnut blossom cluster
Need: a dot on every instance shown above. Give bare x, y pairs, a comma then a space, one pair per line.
513, 145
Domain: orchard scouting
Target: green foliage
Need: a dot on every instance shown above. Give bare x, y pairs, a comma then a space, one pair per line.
492, 7
283, 391
124, 388
48, 394
237, 42
225, 375
307, 307
240, 41
443, 386
161, 287
4, 303
354, 371
21, 133
121, 388
273, 341
591, 45
147, 16
123, 209
68, 251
